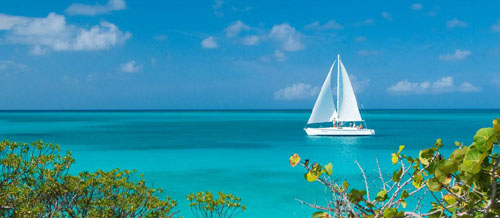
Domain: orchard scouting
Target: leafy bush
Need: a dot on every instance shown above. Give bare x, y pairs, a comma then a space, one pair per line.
466, 184
204, 204
34, 182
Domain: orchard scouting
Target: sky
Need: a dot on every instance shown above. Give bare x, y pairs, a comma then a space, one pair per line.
240, 54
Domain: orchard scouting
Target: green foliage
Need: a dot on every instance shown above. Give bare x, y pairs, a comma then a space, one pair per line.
467, 182
34, 182
204, 204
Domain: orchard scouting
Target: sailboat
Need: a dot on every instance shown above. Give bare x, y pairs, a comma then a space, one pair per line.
345, 120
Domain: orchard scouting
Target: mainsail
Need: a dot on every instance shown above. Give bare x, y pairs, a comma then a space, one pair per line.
347, 106
324, 109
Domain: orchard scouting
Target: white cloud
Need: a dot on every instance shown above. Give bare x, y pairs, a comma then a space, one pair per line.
367, 22
8, 21
7, 66
209, 43
360, 39
298, 91
216, 6
443, 85
251, 40
495, 27
330, 25
130, 67
92, 10
468, 87
289, 38
100, 37
457, 56
387, 16
416, 6
455, 22
279, 55
38, 50
368, 52
235, 28
53, 33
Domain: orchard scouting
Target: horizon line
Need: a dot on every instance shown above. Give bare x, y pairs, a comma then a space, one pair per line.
215, 110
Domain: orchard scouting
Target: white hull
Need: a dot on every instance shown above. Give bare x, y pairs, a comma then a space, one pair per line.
334, 131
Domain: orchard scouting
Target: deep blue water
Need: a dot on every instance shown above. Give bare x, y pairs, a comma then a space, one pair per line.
242, 152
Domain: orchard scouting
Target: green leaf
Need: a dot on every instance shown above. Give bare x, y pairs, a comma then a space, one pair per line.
329, 169
404, 194
449, 199
401, 147
447, 166
433, 185
439, 142
417, 179
390, 212
484, 138
472, 161
424, 156
321, 214
345, 185
396, 175
381, 195
458, 155
442, 177
311, 176
496, 125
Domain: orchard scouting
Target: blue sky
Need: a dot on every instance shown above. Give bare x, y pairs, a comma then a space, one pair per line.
222, 54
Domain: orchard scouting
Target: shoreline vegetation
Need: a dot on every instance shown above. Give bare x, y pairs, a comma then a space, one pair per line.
34, 182
466, 184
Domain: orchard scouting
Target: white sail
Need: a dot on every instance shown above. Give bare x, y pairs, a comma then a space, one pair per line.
347, 105
324, 109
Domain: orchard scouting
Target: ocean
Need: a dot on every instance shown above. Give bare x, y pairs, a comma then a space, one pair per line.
241, 152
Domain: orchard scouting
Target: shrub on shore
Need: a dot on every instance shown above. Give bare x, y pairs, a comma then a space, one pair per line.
35, 182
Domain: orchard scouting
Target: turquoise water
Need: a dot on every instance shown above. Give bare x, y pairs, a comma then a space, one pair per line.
242, 152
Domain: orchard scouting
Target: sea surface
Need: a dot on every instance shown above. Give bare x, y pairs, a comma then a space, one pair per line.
241, 152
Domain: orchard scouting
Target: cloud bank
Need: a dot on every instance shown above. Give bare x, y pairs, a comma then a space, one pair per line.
443, 85
52, 33
298, 91
457, 56
92, 10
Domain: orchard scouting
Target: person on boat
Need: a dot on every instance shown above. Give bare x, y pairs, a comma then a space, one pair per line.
360, 126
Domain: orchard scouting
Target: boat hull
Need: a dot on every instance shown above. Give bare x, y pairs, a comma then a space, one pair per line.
332, 131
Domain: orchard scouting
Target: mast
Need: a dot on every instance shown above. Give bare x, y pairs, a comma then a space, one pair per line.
338, 86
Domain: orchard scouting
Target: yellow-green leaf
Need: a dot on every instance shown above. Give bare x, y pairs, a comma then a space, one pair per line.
403, 203
294, 160
311, 176
321, 214
401, 147
346, 185
329, 169
395, 158
496, 125
433, 185
449, 199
